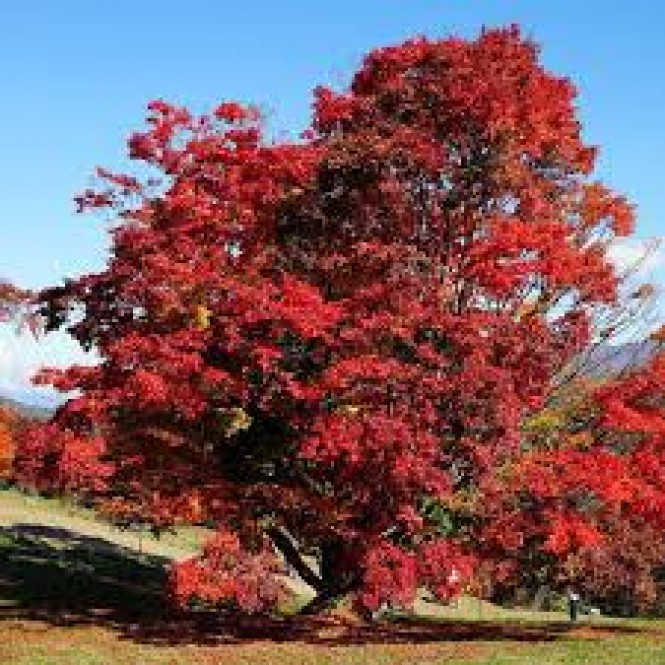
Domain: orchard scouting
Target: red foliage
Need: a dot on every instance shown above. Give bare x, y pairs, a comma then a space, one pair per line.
588, 507
226, 574
391, 576
625, 575
341, 337
50, 458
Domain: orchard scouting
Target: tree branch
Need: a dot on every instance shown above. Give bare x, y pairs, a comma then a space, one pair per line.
285, 545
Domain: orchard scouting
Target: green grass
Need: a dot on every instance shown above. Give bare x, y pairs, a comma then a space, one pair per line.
75, 591
626, 651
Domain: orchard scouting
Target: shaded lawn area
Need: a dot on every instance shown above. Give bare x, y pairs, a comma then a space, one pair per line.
68, 597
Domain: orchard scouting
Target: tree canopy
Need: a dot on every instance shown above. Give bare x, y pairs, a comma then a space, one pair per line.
330, 346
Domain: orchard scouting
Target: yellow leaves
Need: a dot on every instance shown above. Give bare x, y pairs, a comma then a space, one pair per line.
293, 193
462, 501
525, 310
545, 421
580, 440
350, 409
236, 419
240, 419
531, 309
202, 317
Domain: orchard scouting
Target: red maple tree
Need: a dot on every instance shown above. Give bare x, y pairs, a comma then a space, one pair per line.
328, 346
584, 504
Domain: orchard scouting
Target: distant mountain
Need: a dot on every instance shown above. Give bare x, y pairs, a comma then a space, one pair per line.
611, 359
31, 411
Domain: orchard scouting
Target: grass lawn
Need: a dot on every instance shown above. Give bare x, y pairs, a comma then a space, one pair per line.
75, 591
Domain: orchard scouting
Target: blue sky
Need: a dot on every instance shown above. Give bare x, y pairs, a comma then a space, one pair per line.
76, 76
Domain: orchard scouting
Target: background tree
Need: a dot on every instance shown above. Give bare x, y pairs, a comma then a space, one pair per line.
12, 300
329, 347
624, 575
587, 494
7, 444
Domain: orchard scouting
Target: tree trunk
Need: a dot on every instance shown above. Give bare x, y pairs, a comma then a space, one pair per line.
338, 578
286, 545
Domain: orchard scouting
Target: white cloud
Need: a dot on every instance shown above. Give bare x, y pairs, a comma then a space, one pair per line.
21, 356
643, 256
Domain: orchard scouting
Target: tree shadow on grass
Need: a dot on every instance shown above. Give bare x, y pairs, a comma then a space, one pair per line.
65, 578
333, 631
